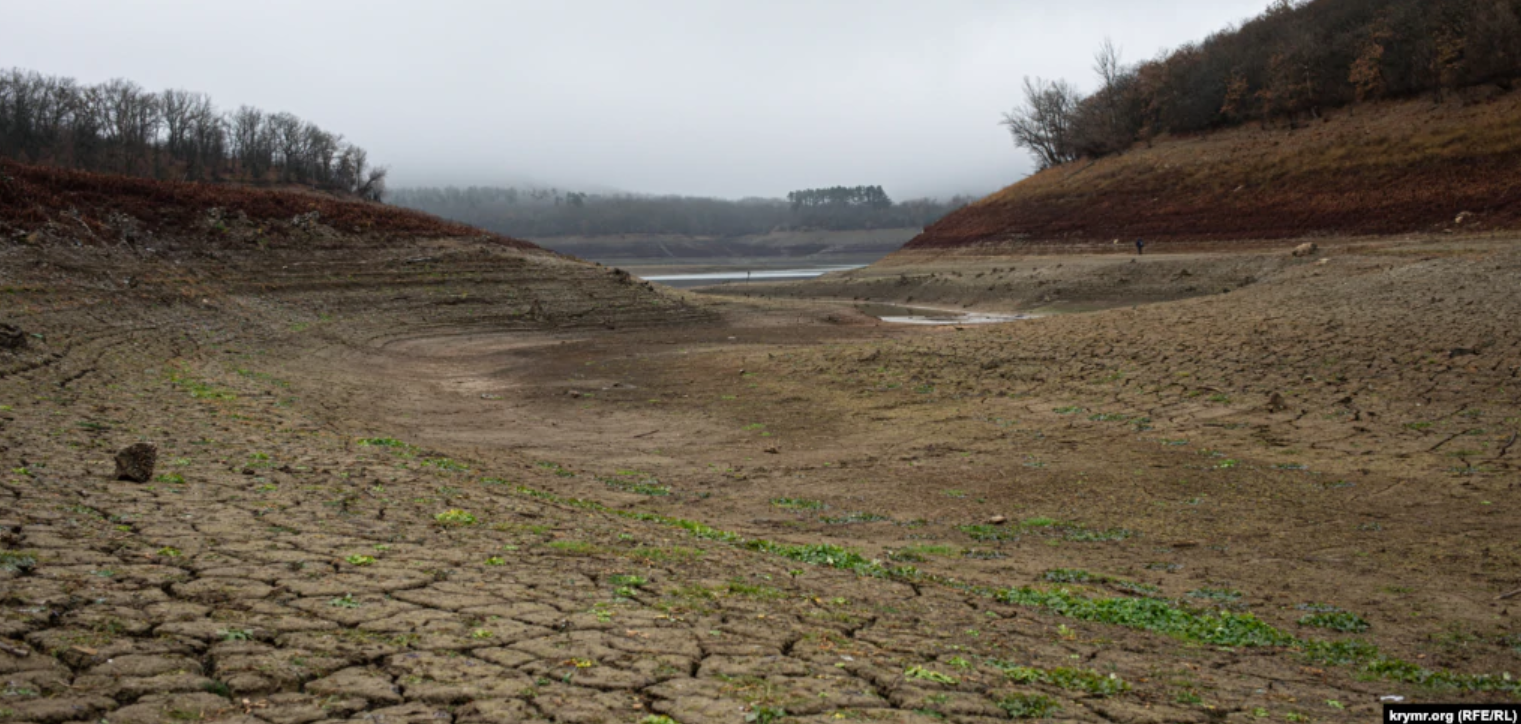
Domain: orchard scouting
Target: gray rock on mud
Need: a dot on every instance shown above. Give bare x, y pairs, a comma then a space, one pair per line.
135, 462
1276, 403
11, 337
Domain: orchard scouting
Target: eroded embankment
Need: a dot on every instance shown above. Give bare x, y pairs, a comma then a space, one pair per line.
1393, 168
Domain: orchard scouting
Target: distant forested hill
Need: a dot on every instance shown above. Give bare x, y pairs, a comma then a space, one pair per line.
539, 212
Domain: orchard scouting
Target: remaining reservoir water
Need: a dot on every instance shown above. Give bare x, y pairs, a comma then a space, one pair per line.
900, 314
742, 275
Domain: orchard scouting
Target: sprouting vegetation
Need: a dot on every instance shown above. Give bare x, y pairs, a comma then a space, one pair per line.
797, 503
1084, 680
454, 518
1028, 706
644, 486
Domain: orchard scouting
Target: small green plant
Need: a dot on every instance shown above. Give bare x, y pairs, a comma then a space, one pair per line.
657, 719
444, 464
557, 469
984, 532
765, 714
1084, 535
345, 601
1028, 706
919, 672
674, 553
1216, 594
647, 486
1068, 410
496, 561
1343, 621
17, 561
754, 590
1223, 628
855, 517
1083, 680
1071, 575
170, 478
381, 442
482, 633
919, 552
235, 634
360, 560
797, 504
454, 518
169, 552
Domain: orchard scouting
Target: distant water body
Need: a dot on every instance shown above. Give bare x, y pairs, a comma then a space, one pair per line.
742, 275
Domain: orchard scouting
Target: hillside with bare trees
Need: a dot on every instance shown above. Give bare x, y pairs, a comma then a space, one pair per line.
1315, 119
120, 127
1382, 169
1284, 68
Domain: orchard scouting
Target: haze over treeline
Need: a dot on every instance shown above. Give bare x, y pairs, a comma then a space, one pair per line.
120, 127
548, 212
1283, 67
691, 97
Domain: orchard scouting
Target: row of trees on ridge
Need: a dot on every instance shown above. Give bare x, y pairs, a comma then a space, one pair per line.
120, 127
539, 212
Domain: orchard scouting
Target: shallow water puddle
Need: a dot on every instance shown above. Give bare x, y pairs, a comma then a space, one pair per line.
900, 314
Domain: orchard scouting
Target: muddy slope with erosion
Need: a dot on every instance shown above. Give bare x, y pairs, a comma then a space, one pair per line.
1389, 168
411, 474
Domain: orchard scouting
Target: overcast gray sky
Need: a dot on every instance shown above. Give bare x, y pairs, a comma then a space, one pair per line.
718, 98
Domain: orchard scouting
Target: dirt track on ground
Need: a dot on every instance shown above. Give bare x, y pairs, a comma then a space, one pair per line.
723, 510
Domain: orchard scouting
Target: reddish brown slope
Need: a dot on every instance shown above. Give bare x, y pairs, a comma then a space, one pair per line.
33, 196
1372, 170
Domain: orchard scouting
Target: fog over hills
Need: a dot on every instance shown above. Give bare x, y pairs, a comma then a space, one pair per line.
691, 98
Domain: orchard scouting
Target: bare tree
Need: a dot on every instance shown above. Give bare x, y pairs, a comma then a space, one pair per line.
1106, 63
1043, 124
374, 186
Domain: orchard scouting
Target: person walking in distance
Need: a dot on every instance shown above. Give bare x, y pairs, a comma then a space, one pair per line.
1140, 246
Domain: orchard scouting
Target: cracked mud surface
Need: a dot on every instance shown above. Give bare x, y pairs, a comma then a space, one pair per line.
378, 502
